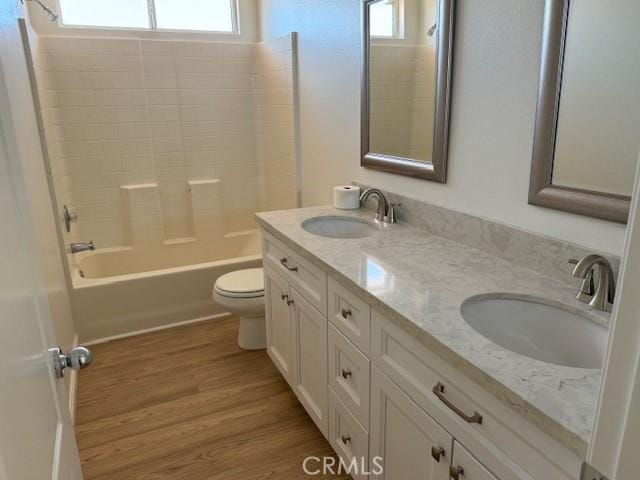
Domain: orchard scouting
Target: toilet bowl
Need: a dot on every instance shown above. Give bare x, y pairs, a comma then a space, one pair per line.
242, 294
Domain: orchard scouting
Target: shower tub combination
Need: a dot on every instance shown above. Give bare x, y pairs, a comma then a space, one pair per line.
123, 290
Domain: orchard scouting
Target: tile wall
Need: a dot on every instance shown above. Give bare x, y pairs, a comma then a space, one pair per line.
136, 128
402, 100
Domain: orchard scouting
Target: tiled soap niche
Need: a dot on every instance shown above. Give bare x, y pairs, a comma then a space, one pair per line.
163, 141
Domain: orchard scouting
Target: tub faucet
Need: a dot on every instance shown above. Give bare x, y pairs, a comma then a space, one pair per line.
601, 295
82, 247
385, 212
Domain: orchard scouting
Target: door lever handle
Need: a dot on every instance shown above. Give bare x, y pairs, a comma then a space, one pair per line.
77, 359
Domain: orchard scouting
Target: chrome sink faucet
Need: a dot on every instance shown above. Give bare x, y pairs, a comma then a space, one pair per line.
598, 295
385, 211
82, 247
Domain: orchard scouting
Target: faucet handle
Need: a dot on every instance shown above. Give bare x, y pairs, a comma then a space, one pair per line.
390, 217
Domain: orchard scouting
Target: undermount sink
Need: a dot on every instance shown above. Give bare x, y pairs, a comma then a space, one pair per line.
538, 329
340, 227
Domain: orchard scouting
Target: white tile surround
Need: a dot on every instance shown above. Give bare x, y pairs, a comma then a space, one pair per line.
137, 128
402, 99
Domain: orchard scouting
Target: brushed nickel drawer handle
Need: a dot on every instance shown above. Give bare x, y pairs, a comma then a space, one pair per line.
346, 373
437, 453
284, 263
284, 296
456, 472
345, 313
345, 439
438, 390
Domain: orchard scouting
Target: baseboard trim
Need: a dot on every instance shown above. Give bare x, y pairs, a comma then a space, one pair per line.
73, 386
156, 329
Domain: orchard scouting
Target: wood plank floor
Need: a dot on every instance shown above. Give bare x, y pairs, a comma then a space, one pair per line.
187, 403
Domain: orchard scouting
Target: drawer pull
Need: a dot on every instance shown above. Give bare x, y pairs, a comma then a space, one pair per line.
456, 472
346, 373
438, 390
345, 313
284, 263
437, 453
345, 439
290, 302
284, 296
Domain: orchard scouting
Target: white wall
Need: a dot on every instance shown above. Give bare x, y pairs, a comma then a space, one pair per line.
497, 50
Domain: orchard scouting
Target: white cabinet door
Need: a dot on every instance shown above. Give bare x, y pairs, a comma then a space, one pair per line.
310, 364
465, 467
409, 442
279, 322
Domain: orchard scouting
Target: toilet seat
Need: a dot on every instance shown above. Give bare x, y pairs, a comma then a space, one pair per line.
247, 283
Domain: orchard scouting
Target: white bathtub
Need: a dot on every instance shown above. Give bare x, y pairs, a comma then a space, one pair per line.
118, 291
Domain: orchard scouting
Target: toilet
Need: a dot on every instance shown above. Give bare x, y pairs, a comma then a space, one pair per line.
242, 293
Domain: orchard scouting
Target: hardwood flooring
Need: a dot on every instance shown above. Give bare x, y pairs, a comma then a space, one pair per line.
188, 403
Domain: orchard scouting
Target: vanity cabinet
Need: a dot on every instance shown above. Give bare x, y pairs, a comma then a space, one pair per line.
297, 345
411, 444
380, 395
279, 323
309, 366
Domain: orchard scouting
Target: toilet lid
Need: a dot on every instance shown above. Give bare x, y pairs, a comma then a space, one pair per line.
248, 282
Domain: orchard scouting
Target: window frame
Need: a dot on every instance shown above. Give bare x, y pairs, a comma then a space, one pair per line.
153, 25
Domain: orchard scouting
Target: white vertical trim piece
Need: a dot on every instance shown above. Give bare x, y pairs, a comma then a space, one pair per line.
610, 450
151, 9
296, 116
235, 16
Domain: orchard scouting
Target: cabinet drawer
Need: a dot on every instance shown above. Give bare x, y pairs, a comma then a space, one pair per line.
349, 375
309, 280
508, 445
350, 314
348, 438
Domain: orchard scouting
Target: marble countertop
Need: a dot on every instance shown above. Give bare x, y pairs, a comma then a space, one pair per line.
420, 280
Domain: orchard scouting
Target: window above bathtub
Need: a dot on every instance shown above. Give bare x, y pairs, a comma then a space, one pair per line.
386, 19
219, 16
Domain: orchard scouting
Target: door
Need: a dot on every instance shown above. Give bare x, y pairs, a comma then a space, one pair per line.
613, 449
36, 437
409, 442
465, 467
279, 322
310, 365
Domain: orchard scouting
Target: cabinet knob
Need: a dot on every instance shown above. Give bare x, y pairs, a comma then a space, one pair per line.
346, 373
284, 296
346, 439
455, 472
437, 453
345, 313
290, 302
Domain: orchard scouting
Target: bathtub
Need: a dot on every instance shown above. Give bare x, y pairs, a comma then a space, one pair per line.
120, 291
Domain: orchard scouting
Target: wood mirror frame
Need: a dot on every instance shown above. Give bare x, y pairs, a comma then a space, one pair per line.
436, 170
542, 191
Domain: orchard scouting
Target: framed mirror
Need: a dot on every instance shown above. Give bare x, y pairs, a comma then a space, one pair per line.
586, 138
406, 86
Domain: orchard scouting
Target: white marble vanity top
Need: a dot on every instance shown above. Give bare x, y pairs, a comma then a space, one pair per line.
420, 280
